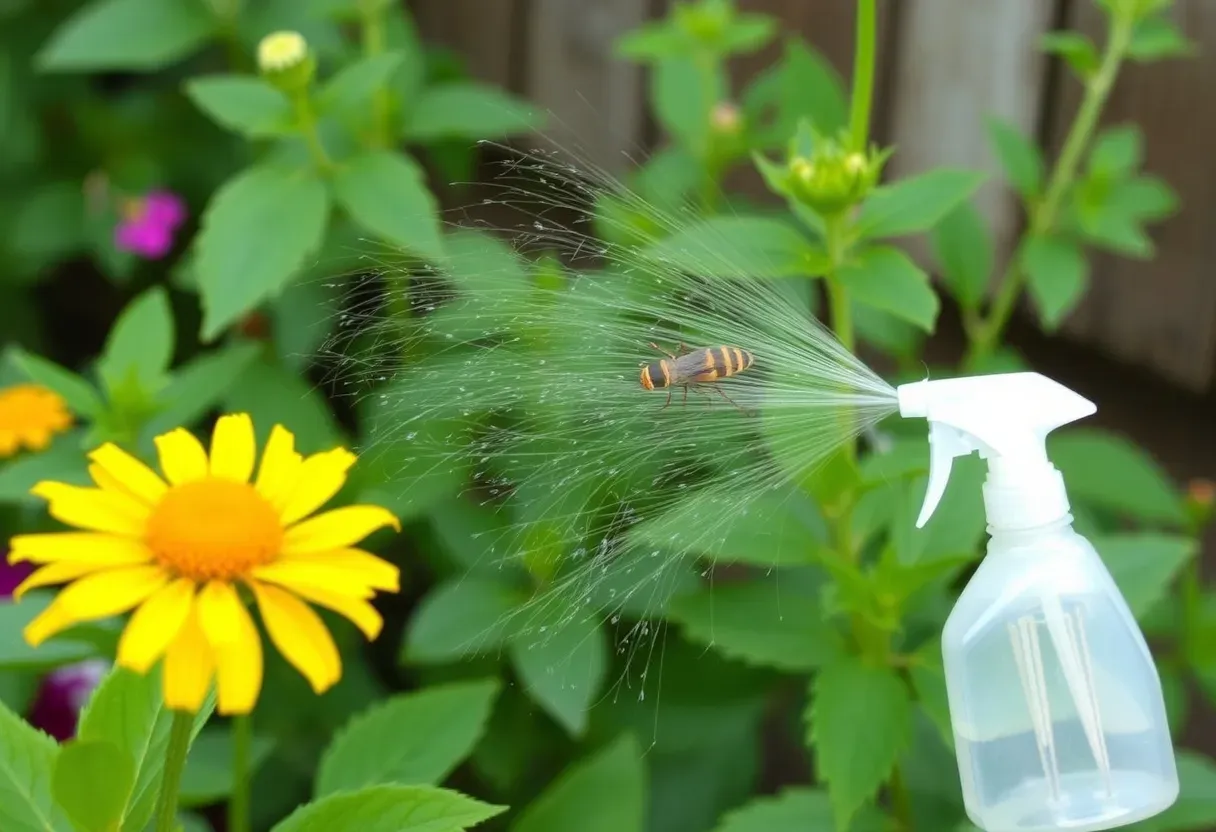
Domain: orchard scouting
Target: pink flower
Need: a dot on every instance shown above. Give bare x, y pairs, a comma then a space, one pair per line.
64, 691
149, 223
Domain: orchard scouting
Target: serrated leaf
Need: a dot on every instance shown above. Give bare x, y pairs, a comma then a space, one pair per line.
140, 343
1156, 38
390, 809
434, 730
803, 85
963, 248
459, 617
139, 35
1144, 565
885, 278
1106, 471
795, 810
1117, 152
256, 233
561, 659
1021, 160
90, 780
81, 396
1144, 198
242, 103
860, 721
465, 110
1075, 48
604, 793
736, 247
760, 623
197, 385
1058, 274
915, 204
351, 89
386, 193
27, 758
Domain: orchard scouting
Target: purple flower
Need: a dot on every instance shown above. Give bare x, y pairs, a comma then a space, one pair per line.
64, 691
12, 574
148, 224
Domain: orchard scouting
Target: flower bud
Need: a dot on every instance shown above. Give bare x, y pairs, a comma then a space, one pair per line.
285, 60
1200, 503
725, 118
833, 178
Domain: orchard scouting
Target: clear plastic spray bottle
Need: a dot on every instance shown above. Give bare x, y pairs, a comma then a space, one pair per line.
1059, 721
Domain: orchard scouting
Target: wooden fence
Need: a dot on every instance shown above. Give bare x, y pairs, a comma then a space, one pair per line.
946, 65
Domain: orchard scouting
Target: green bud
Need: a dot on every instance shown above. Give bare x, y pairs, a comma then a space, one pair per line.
285, 60
833, 178
705, 22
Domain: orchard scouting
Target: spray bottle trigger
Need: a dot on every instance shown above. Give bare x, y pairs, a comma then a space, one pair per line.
945, 443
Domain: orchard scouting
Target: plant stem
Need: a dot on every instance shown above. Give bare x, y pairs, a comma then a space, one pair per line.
373, 44
307, 121
1043, 213
863, 74
175, 763
238, 801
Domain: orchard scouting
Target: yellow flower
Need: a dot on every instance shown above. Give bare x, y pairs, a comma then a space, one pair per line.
30, 415
176, 549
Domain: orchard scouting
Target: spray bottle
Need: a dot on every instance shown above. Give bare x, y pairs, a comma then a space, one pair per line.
1057, 711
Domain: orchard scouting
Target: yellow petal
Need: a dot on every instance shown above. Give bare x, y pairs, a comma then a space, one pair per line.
56, 573
363, 566
337, 529
188, 667
290, 574
319, 477
219, 610
355, 608
233, 447
133, 475
239, 663
94, 508
95, 596
280, 463
79, 547
300, 635
182, 457
155, 624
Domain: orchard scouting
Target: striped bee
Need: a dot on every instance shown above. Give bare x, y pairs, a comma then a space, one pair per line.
693, 368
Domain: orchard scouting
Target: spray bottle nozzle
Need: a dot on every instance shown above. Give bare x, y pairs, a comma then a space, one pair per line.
1006, 417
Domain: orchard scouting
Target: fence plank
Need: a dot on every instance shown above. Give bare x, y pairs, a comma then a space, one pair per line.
958, 63
480, 32
1161, 314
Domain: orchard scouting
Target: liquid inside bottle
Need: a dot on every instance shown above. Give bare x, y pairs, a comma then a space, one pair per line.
1058, 716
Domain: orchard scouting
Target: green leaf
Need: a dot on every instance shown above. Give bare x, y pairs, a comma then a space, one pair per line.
603, 793
1144, 565
387, 194
796, 809
929, 681
1022, 160
885, 278
761, 622
561, 659
1195, 809
1075, 48
198, 384
90, 780
1156, 38
1118, 152
256, 233
462, 616
434, 730
16, 654
1106, 471
464, 110
139, 35
963, 248
207, 778
242, 103
27, 759
803, 86
351, 89
1144, 198
272, 395
81, 397
652, 41
1058, 274
140, 344
740, 247
127, 710
683, 95
390, 809
916, 204
860, 721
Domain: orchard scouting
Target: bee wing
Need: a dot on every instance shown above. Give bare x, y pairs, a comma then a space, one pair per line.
687, 366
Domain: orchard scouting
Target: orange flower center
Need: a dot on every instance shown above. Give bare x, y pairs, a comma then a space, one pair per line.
30, 415
214, 529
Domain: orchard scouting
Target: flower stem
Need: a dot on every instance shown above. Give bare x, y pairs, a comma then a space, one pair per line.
373, 44
307, 121
238, 801
863, 74
1043, 213
175, 763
